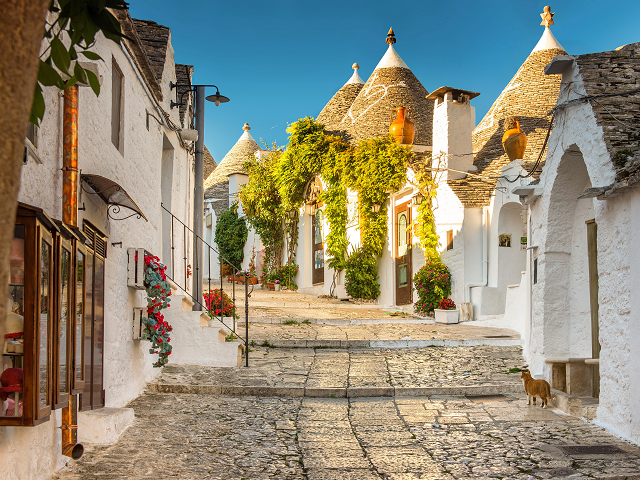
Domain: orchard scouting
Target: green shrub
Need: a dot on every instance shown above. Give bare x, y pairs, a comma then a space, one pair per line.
361, 275
285, 275
432, 284
231, 235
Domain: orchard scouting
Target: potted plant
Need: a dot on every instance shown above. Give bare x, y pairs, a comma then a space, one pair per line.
447, 313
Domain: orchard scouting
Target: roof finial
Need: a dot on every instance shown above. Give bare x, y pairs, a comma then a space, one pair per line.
391, 37
547, 17
246, 127
355, 66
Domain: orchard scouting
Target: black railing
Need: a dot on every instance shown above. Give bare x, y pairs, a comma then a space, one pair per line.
202, 252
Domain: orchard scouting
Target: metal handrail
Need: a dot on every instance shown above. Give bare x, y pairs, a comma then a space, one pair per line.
199, 245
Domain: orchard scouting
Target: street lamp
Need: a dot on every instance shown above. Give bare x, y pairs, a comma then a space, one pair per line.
198, 204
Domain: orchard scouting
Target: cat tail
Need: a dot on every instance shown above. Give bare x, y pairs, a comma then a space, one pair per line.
548, 389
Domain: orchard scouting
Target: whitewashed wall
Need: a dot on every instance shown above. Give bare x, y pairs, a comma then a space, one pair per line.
34, 453
578, 155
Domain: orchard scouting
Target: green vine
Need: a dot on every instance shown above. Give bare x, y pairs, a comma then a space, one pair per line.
263, 206
425, 224
230, 237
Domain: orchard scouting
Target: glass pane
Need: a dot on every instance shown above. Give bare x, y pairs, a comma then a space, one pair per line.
65, 278
318, 260
317, 227
13, 342
88, 328
402, 275
402, 234
98, 330
43, 351
79, 355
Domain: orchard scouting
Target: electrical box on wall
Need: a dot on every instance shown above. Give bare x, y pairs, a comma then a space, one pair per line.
135, 268
139, 314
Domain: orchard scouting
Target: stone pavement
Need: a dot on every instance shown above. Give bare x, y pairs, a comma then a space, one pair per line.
392, 335
212, 437
318, 372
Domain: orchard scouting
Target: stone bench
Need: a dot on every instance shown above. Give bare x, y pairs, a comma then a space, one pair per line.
572, 375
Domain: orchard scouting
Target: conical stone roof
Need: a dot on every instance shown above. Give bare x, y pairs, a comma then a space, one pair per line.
335, 110
233, 161
530, 95
391, 85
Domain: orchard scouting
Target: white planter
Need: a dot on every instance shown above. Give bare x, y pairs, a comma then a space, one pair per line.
446, 316
276, 287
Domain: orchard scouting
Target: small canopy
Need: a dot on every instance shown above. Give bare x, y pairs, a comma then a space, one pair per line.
112, 194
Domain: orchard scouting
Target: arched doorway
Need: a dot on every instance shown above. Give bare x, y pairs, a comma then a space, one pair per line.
570, 264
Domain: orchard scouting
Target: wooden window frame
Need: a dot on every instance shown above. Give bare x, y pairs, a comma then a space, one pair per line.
449, 239
77, 384
61, 398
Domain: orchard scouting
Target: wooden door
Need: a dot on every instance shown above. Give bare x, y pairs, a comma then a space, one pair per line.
317, 254
592, 248
403, 253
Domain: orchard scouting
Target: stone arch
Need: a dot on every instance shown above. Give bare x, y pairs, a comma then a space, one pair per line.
567, 323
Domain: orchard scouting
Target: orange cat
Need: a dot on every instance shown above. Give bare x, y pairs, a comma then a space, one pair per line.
536, 388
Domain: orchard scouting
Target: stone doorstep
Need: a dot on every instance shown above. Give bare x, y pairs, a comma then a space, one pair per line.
335, 344
328, 392
103, 426
578, 406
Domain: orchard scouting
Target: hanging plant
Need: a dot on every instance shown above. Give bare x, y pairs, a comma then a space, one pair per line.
156, 329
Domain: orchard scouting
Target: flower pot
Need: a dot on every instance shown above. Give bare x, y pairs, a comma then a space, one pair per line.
271, 285
253, 280
446, 316
277, 287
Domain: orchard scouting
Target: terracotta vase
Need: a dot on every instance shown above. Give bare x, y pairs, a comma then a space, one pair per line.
402, 127
514, 141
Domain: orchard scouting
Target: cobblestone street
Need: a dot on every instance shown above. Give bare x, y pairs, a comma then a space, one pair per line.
321, 414
189, 436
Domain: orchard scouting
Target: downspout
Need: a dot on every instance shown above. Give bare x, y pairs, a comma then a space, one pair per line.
70, 446
485, 256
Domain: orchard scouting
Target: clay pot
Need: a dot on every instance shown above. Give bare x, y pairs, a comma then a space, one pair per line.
402, 127
514, 140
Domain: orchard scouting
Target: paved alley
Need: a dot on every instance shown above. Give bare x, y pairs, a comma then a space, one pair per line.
355, 414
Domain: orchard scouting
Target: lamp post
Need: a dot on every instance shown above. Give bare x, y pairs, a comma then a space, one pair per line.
198, 203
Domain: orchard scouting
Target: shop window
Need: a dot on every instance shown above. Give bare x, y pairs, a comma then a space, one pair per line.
93, 393
38, 351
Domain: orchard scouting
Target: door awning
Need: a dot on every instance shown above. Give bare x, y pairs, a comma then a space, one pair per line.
113, 195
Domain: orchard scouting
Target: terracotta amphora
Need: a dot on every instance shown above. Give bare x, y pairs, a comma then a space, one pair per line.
402, 127
514, 139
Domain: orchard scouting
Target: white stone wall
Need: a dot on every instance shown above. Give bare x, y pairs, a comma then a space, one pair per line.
34, 453
578, 155
450, 215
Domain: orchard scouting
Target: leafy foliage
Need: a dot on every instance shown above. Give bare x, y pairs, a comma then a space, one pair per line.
156, 329
263, 205
424, 223
432, 283
71, 31
361, 275
231, 235
284, 275
219, 304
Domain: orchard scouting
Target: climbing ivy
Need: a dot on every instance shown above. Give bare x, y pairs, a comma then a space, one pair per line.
424, 224
263, 206
231, 235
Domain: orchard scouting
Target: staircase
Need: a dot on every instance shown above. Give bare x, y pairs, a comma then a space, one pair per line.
197, 339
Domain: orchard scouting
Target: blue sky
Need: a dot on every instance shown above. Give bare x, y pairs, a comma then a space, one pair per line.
280, 60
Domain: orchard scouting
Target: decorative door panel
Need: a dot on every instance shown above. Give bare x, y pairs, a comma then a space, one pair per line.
317, 256
403, 253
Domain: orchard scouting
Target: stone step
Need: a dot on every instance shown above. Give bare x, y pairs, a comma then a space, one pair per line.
578, 406
344, 321
322, 392
294, 343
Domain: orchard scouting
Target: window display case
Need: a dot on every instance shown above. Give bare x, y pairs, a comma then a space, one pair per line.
39, 351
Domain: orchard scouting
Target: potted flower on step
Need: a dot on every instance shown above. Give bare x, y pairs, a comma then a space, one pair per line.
447, 313
277, 285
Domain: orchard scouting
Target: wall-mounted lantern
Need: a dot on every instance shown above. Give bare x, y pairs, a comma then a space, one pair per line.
417, 199
292, 214
375, 208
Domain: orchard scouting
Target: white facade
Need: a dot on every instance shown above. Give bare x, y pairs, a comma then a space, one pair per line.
153, 167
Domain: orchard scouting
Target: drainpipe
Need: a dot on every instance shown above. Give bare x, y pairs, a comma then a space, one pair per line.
485, 256
70, 446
